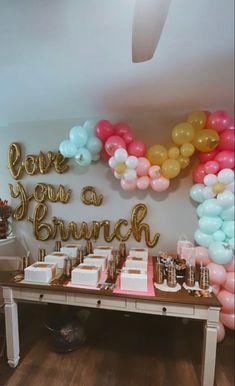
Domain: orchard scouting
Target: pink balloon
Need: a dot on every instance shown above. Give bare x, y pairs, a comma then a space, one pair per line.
219, 120
104, 129
227, 140
160, 184
205, 157
154, 172
217, 273
216, 289
113, 143
227, 300
143, 182
220, 332
137, 148
129, 186
121, 128
211, 167
143, 167
225, 159
228, 320
229, 283
201, 256
230, 267
199, 173
231, 125
128, 138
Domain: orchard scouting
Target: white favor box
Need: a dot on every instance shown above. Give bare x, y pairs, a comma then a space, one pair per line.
139, 252
98, 261
40, 272
134, 280
85, 275
136, 262
71, 250
56, 258
104, 251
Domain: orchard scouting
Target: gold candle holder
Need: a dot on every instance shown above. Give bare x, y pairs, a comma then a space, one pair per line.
41, 254
159, 273
58, 246
204, 278
190, 276
171, 276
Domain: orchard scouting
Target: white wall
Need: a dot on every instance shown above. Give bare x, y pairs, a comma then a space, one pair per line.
170, 213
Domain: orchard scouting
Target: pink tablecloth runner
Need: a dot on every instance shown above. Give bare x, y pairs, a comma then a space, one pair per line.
149, 292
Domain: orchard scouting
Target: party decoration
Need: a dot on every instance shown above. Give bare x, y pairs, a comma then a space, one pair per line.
220, 332
217, 273
104, 129
170, 168
197, 119
206, 140
137, 148
183, 133
90, 197
157, 154
220, 253
34, 164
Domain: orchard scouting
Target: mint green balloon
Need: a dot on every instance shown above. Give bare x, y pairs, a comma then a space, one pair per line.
220, 253
210, 225
83, 157
202, 238
196, 193
228, 228
219, 236
200, 210
228, 213
231, 243
94, 145
89, 126
211, 207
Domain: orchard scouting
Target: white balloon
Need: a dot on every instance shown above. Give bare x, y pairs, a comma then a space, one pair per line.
112, 162
130, 175
132, 162
207, 192
226, 198
117, 175
230, 187
210, 179
226, 176
121, 155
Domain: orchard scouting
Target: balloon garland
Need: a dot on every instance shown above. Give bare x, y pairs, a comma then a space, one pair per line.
212, 135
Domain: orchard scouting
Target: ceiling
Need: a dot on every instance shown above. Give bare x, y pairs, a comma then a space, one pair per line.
68, 58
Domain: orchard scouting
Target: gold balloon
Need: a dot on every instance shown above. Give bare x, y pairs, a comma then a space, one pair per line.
187, 149
34, 164
120, 167
90, 197
157, 154
138, 213
184, 161
206, 140
173, 152
183, 133
197, 119
170, 168
218, 187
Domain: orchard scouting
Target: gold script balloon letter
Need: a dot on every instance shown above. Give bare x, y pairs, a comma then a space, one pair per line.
90, 197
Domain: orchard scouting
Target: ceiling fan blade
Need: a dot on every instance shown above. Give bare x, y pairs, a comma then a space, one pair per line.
149, 20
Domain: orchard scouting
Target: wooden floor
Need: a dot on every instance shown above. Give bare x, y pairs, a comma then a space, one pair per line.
121, 350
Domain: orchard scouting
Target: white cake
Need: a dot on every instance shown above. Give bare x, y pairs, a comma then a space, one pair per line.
134, 280
71, 249
57, 258
98, 261
85, 274
139, 252
136, 262
40, 272
103, 250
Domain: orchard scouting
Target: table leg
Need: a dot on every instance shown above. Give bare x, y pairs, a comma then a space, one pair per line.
209, 348
12, 331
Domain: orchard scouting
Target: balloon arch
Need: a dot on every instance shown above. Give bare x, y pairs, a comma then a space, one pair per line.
212, 136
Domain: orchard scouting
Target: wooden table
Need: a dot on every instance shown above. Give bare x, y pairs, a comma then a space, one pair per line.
179, 304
